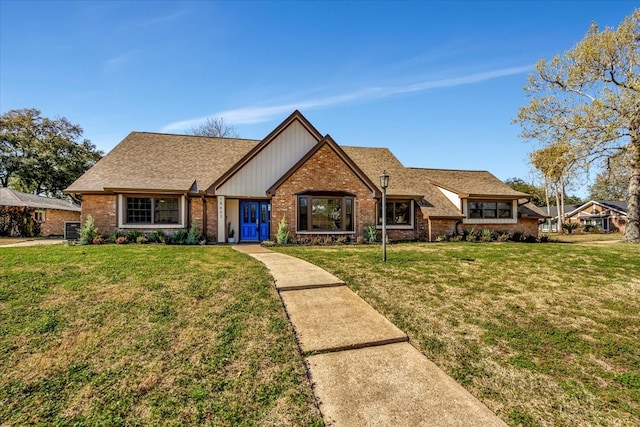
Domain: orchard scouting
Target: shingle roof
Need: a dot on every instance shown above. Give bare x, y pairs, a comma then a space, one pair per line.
10, 197
156, 162
407, 182
530, 210
471, 183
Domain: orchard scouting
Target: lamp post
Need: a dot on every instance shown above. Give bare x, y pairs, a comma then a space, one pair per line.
384, 183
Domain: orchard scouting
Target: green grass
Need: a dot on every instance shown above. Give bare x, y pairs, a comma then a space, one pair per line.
145, 335
543, 334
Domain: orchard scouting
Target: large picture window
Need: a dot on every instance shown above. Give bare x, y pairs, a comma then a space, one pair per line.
398, 213
152, 210
490, 210
325, 213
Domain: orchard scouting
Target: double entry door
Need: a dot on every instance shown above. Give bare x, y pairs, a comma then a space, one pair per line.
254, 220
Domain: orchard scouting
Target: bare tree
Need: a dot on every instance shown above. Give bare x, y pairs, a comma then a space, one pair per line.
589, 99
216, 127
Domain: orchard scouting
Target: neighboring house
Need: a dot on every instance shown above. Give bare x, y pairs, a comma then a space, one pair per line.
159, 181
50, 213
605, 215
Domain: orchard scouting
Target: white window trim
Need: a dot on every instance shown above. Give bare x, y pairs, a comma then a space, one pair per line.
409, 226
122, 209
43, 215
512, 220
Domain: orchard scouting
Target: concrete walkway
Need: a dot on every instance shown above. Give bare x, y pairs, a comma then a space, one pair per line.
363, 369
34, 242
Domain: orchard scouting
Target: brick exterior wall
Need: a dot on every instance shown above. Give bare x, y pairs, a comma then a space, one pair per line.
442, 227
103, 210
54, 220
324, 171
196, 213
203, 212
212, 218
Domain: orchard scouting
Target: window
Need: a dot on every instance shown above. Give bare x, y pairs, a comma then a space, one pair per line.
325, 213
490, 210
38, 216
398, 213
152, 210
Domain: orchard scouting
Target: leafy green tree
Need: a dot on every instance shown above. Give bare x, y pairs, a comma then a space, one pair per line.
40, 155
536, 193
589, 99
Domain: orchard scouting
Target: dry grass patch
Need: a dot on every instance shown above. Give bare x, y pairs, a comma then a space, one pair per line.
146, 335
543, 334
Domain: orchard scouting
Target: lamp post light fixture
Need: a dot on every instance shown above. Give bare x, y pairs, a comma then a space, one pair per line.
384, 183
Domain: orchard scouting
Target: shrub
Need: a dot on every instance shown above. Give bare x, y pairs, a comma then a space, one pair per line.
180, 237
98, 240
282, 236
486, 235
193, 236
157, 236
18, 222
121, 240
326, 240
470, 234
360, 240
502, 236
141, 240
342, 240
371, 233
456, 238
517, 236
88, 231
568, 227
114, 235
132, 236
268, 243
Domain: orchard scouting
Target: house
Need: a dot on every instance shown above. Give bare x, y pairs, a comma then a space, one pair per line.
607, 216
50, 213
155, 181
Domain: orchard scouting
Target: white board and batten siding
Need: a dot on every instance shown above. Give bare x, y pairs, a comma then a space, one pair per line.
263, 170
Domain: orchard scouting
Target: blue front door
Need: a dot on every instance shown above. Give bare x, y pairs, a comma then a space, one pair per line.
254, 221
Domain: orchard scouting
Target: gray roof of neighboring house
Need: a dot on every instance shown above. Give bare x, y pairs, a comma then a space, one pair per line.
612, 204
10, 197
163, 162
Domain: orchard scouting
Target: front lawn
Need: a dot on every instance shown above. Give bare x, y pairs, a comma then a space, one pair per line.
543, 334
145, 335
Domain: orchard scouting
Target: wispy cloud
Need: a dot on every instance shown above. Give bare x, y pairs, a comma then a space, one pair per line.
251, 115
114, 63
159, 20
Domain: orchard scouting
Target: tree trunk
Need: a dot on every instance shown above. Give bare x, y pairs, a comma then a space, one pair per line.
560, 217
546, 196
562, 197
632, 228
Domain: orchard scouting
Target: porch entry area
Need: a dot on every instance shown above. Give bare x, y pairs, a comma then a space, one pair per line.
255, 217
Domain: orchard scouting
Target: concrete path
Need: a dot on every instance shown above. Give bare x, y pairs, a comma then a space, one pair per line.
35, 242
363, 369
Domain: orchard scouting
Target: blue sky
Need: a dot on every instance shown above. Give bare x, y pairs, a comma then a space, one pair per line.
436, 82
